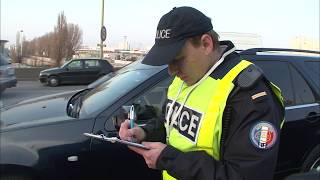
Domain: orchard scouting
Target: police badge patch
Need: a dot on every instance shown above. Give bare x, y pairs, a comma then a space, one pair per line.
263, 135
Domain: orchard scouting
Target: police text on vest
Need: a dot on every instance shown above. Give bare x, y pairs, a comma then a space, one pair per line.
187, 122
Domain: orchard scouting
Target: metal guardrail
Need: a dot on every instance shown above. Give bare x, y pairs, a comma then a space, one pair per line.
28, 74
32, 73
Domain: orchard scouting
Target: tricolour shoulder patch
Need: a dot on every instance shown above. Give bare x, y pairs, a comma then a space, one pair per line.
263, 135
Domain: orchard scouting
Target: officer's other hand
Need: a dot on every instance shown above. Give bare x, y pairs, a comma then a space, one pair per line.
128, 134
150, 156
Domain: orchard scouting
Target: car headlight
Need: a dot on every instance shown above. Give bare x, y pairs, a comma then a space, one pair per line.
43, 74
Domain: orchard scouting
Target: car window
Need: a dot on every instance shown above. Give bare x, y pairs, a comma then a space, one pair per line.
75, 65
147, 105
314, 71
153, 98
278, 73
302, 92
91, 63
110, 91
134, 65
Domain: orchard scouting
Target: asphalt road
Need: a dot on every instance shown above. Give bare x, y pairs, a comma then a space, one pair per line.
31, 89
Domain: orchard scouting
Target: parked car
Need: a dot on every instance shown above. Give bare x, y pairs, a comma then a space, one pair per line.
297, 75
7, 73
43, 138
76, 71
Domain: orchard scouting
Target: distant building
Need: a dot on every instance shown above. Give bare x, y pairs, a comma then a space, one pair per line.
242, 40
87, 52
125, 44
110, 53
302, 42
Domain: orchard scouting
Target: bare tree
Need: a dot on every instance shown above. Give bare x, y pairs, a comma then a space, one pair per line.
74, 39
58, 45
13, 53
60, 37
46, 46
17, 58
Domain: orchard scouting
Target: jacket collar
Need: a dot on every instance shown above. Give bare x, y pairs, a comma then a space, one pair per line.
230, 61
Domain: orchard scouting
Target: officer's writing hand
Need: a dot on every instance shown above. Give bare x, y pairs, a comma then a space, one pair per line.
150, 156
128, 134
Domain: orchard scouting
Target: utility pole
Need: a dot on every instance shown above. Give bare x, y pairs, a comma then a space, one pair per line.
103, 32
102, 27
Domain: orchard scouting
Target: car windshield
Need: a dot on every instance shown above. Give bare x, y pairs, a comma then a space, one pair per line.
110, 91
134, 65
65, 63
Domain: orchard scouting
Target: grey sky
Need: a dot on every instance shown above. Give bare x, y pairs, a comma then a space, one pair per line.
277, 21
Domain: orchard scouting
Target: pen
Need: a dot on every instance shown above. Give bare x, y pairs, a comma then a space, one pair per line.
132, 116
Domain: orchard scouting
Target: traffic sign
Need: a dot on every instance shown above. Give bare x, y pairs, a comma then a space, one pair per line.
103, 33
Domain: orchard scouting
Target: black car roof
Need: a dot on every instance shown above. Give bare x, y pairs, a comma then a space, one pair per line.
275, 54
255, 51
89, 59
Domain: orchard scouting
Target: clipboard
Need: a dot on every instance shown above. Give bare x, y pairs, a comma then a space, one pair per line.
115, 140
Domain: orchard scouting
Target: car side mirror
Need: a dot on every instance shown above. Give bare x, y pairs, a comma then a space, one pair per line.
145, 113
120, 116
67, 69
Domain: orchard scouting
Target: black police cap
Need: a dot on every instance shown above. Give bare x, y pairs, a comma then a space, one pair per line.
173, 30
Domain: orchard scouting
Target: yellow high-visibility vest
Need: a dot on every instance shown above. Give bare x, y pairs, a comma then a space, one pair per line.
199, 124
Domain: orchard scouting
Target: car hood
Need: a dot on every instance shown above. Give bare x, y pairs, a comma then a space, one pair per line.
51, 70
45, 109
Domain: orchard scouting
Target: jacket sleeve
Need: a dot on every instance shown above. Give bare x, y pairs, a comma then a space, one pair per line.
243, 158
154, 128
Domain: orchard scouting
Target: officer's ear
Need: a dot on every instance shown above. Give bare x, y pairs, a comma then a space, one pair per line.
207, 43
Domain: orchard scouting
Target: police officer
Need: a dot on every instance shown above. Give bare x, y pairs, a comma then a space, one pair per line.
222, 117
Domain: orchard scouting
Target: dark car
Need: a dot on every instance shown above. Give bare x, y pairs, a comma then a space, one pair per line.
76, 71
43, 138
297, 74
7, 73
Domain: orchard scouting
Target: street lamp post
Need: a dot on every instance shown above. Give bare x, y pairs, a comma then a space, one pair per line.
21, 42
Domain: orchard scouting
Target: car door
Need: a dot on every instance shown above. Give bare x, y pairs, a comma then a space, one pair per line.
91, 70
73, 72
71, 159
151, 95
301, 113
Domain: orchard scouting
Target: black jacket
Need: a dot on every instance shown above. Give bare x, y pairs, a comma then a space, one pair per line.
242, 159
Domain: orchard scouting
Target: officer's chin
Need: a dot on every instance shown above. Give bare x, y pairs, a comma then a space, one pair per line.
190, 82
